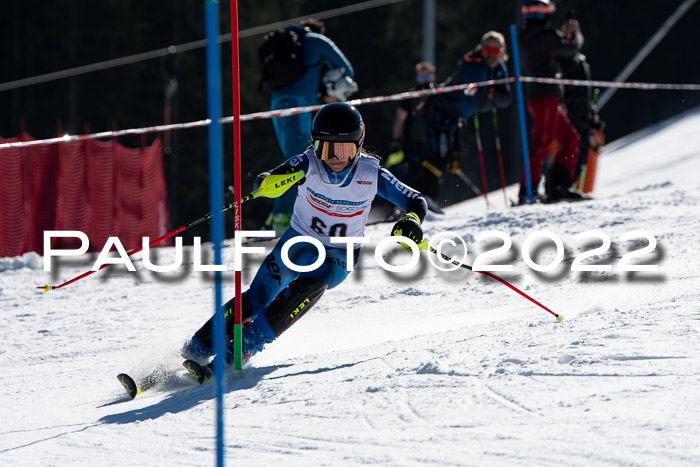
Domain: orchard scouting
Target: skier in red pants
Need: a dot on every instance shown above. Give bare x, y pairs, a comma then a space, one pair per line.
542, 45
550, 123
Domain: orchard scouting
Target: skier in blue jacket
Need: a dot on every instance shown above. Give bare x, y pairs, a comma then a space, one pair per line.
325, 68
485, 62
333, 200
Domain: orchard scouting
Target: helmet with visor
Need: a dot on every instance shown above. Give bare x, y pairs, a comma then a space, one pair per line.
337, 133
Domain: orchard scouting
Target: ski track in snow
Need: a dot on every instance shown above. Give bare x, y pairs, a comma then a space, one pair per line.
412, 369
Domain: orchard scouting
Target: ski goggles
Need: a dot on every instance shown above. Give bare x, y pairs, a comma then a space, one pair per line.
425, 76
344, 151
492, 51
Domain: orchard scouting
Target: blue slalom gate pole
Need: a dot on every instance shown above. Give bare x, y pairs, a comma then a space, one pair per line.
521, 111
216, 201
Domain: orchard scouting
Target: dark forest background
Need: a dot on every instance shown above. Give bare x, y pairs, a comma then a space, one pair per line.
382, 43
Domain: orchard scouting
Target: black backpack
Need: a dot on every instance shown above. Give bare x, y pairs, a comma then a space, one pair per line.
280, 58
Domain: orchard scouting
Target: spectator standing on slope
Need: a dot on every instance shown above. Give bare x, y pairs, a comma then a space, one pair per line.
326, 76
579, 101
542, 46
487, 61
427, 140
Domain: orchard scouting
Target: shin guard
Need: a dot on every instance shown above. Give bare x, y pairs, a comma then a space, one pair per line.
294, 302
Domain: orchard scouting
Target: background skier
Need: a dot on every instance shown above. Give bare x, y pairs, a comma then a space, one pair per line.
325, 69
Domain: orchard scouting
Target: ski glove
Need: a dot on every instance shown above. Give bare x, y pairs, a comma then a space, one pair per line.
409, 226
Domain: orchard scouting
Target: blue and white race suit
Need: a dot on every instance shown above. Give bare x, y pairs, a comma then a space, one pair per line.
322, 211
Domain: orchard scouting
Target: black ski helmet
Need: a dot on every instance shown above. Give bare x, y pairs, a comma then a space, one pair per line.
340, 122
537, 10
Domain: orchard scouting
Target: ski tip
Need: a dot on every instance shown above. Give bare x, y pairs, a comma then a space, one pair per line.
560, 318
129, 385
196, 370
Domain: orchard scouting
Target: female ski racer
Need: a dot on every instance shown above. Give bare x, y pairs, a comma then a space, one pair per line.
333, 200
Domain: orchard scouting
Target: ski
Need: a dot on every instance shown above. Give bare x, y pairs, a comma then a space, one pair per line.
129, 385
135, 388
199, 372
566, 200
543, 200
535, 200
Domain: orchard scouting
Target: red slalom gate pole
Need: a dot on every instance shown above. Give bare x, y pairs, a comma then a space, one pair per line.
480, 149
238, 313
499, 153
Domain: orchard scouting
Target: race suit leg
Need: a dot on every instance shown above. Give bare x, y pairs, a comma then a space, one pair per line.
279, 296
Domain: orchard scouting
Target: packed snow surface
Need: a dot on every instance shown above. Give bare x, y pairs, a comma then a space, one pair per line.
430, 367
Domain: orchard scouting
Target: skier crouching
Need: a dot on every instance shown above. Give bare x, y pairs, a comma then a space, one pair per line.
333, 200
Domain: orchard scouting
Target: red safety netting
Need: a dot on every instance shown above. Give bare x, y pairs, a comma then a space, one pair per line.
100, 188
12, 213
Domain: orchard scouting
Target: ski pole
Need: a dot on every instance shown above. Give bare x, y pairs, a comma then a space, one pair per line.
272, 186
499, 153
469, 182
480, 149
425, 246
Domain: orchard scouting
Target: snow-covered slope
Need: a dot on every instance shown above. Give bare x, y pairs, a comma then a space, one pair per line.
433, 367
